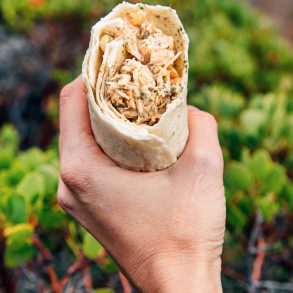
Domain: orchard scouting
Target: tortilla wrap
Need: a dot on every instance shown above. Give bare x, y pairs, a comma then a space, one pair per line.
141, 146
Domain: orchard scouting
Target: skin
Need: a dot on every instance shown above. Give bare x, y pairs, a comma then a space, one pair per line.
165, 229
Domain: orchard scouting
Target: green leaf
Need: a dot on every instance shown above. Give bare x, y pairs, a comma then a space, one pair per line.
9, 137
260, 164
6, 157
18, 237
288, 195
51, 217
237, 218
111, 266
32, 187
13, 259
32, 158
268, 205
91, 247
19, 248
16, 172
51, 176
246, 205
276, 179
16, 210
237, 176
252, 120
221, 101
104, 290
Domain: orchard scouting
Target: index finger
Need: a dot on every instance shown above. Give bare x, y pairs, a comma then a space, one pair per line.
76, 135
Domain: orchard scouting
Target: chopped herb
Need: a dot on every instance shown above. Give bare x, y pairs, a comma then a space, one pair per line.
145, 35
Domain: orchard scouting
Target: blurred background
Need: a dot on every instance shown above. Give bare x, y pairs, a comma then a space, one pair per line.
241, 70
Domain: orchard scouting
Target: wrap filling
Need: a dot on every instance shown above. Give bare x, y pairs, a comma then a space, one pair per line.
141, 77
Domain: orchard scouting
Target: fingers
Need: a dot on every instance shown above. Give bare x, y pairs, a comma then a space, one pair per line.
76, 138
203, 148
75, 129
81, 159
203, 131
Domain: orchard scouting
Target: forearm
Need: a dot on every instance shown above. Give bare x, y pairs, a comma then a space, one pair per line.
182, 276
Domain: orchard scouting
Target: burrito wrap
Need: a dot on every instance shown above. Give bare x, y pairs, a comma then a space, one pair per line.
134, 143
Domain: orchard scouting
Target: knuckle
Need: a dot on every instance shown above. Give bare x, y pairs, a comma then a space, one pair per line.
205, 117
208, 160
193, 112
209, 119
64, 201
71, 174
65, 92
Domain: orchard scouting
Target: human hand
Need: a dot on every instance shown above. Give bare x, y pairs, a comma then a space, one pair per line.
165, 229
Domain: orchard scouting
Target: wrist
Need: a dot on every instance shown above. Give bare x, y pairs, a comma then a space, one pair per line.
183, 274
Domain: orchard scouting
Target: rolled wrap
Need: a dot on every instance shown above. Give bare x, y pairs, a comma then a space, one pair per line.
139, 147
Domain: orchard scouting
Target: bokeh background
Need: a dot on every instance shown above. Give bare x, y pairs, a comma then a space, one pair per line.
241, 70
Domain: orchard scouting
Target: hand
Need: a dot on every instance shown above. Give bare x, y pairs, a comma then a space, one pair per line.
165, 229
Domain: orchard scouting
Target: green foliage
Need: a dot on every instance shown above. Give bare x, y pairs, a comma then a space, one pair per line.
241, 72
238, 176
18, 244
28, 185
20, 14
104, 290
91, 248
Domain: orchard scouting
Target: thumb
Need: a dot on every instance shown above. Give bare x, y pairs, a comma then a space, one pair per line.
203, 148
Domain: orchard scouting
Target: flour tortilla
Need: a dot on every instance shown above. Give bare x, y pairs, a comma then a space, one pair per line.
132, 146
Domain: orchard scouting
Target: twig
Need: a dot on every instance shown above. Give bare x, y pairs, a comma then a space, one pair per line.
77, 265
56, 286
257, 266
46, 254
256, 232
232, 274
6, 277
87, 278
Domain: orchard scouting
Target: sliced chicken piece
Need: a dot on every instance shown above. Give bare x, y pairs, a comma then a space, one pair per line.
123, 79
130, 65
117, 27
140, 107
132, 48
153, 43
131, 104
116, 100
145, 77
136, 18
161, 57
104, 41
130, 114
149, 28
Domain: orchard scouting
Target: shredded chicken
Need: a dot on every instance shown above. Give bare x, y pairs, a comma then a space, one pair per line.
147, 80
